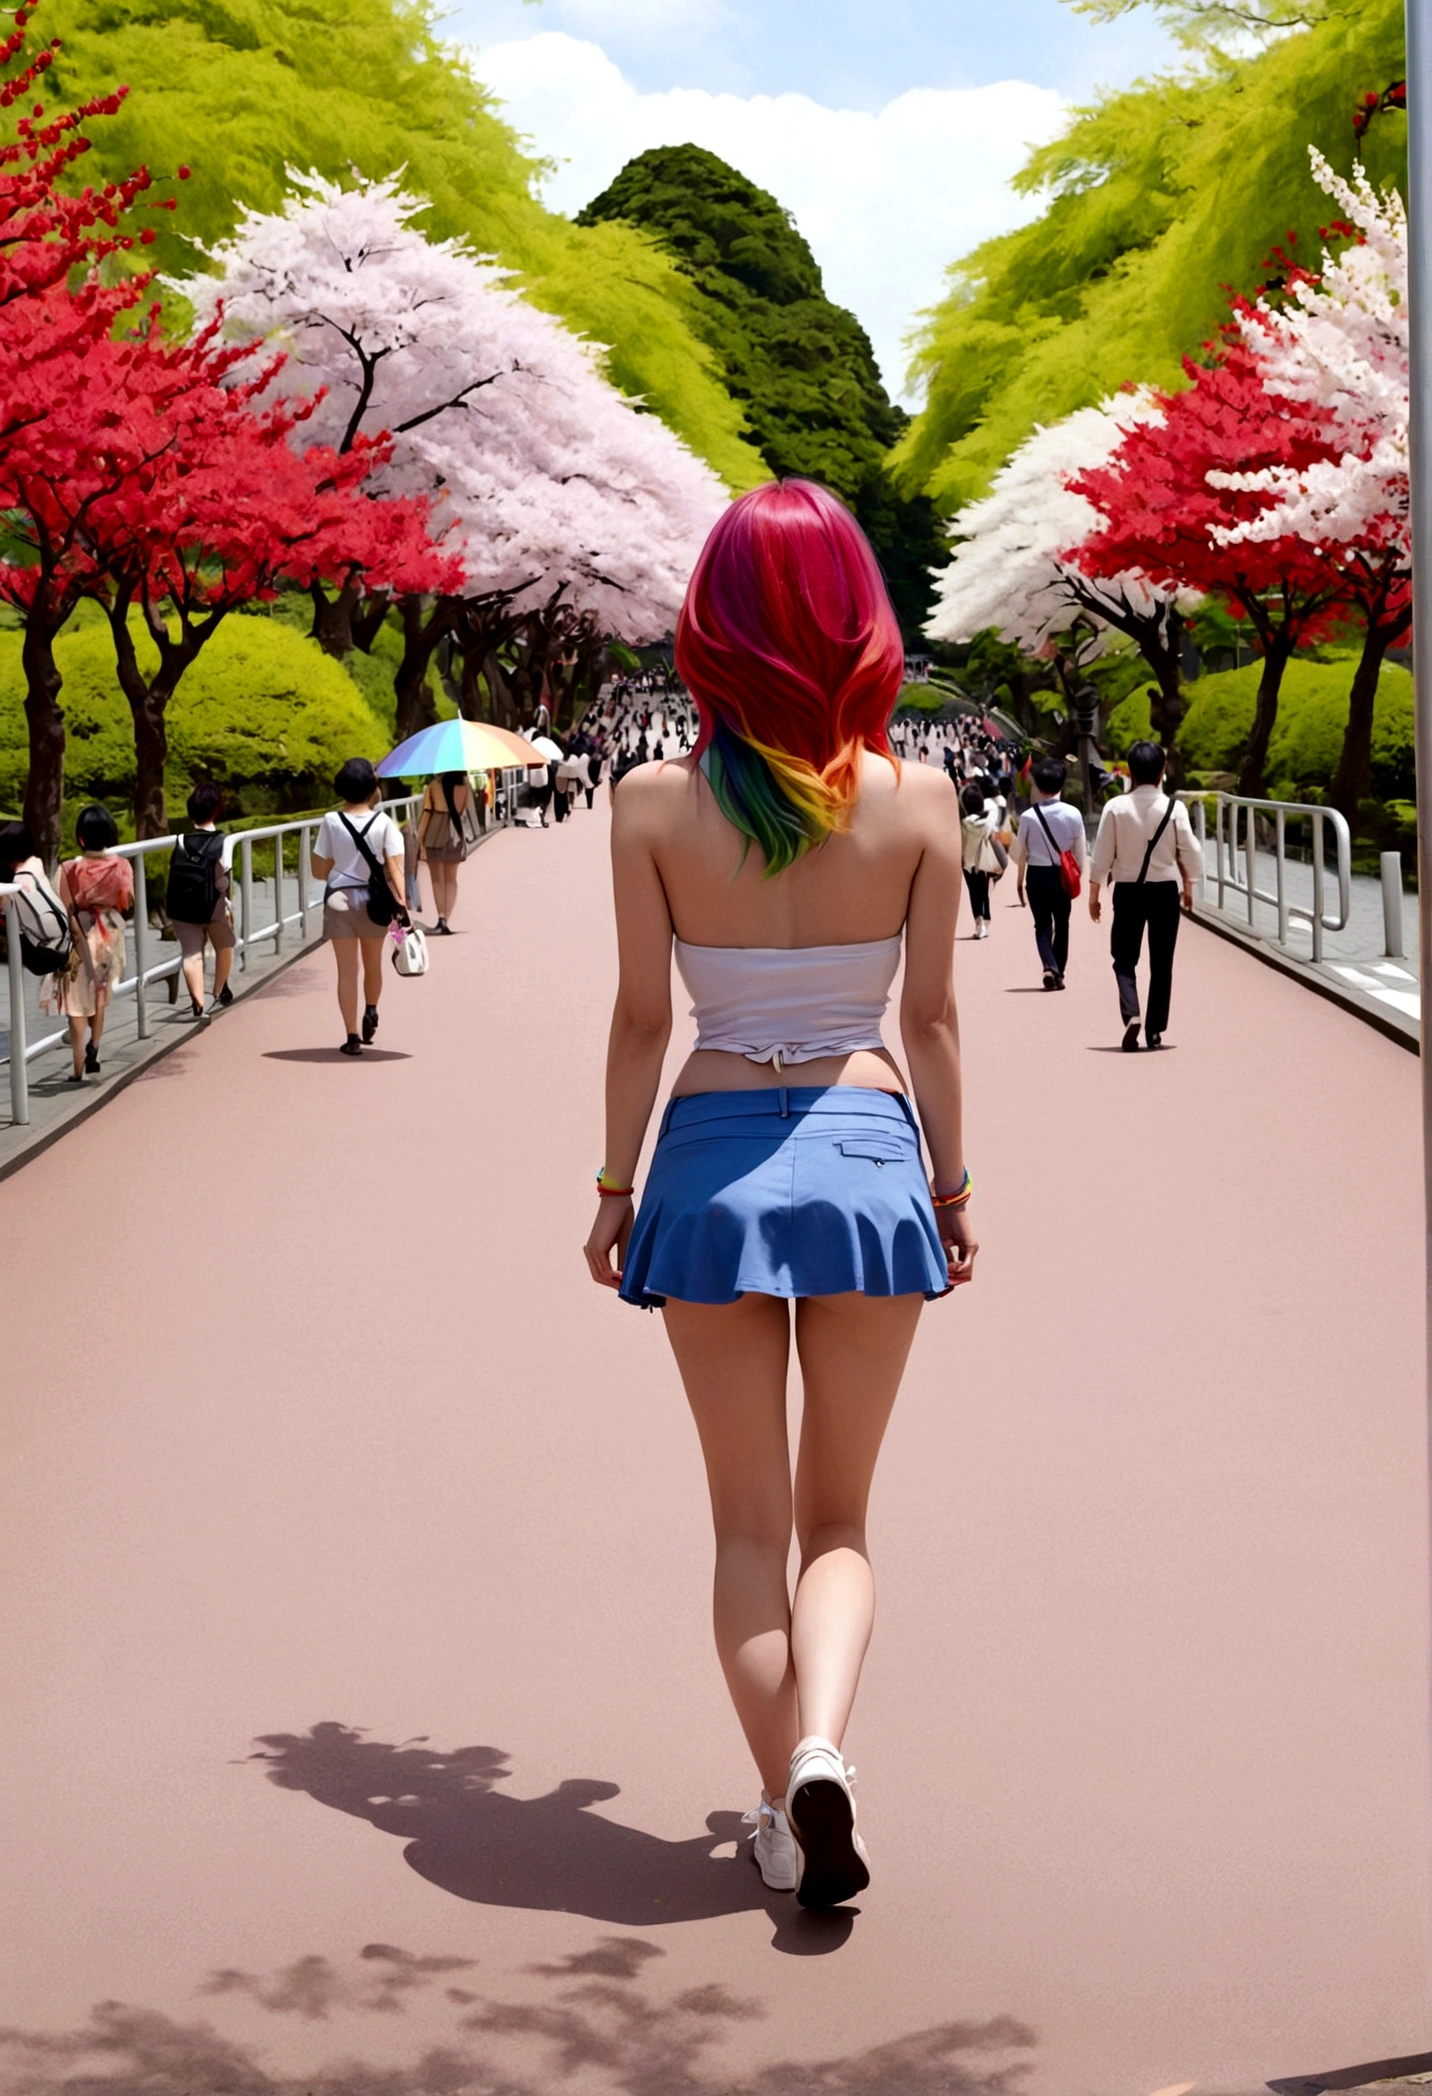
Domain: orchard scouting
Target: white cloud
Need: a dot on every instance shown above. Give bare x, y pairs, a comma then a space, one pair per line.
886, 199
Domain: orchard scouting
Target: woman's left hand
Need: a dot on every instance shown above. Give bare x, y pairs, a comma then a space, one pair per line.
609, 1233
960, 1243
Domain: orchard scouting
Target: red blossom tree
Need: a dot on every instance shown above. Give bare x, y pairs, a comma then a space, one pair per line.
1161, 512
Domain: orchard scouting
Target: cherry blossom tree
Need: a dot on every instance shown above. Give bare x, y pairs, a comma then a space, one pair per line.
543, 478
1340, 343
1016, 567
1169, 510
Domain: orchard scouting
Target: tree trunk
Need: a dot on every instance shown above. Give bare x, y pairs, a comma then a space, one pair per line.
421, 633
1352, 781
151, 755
504, 712
1251, 782
45, 786
149, 703
333, 617
367, 621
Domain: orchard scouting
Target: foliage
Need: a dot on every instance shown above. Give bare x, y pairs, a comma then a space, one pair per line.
1159, 197
1307, 741
247, 91
264, 711
801, 365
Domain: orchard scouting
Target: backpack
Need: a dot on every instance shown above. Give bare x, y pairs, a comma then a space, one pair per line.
194, 876
1069, 877
44, 927
383, 904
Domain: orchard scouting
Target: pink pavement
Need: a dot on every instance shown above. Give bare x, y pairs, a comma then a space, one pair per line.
317, 1434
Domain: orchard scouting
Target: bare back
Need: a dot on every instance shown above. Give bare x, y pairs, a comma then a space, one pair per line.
679, 872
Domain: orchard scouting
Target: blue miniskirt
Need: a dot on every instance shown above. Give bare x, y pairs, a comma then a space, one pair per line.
795, 1191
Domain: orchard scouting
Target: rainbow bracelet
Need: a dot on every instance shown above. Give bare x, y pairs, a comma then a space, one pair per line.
615, 1192
959, 1197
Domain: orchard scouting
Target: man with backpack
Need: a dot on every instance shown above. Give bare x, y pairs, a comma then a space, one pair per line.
198, 902
1049, 853
1146, 847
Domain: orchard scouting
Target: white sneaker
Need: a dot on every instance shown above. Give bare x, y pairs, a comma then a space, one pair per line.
832, 1863
773, 1847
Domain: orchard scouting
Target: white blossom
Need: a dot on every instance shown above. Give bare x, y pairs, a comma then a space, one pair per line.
1011, 569
542, 474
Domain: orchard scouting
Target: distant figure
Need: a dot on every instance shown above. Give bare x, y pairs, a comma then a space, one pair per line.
97, 890
448, 829
358, 855
38, 917
1146, 847
1050, 829
980, 859
200, 879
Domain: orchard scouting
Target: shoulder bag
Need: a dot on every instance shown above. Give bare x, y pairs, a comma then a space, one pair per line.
1069, 876
383, 904
1168, 815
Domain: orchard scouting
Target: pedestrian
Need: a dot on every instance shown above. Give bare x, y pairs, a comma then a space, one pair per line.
786, 860
1049, 830
197, 900
448, 829
1146, 847
358, 856
38, 917
978, 854
594, 774
97, 890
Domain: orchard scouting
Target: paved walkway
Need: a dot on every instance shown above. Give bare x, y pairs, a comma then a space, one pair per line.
361, 1733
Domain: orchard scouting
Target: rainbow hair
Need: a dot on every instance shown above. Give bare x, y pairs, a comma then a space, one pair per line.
788, 643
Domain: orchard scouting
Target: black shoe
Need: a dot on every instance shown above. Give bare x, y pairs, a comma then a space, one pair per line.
1131, 1036
1051, 980
370, 1022
1155, 1040
91, 1060
1059, 980
352, 1046
444, 927
196, 1010
224, 997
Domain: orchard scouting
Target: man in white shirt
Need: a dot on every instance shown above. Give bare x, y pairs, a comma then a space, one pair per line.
1050, 829
1147, 848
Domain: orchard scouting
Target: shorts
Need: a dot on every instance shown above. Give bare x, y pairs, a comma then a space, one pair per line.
795, 1191
219, 931
351, 919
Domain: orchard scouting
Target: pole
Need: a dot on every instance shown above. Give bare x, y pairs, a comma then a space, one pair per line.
1419, 307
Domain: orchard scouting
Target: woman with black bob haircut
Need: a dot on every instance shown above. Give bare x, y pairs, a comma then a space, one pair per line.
358, 854
97, 890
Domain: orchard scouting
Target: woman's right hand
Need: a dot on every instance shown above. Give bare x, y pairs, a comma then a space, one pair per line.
609, 1233
960, 1243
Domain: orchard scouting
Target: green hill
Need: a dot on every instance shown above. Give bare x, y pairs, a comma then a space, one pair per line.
801, 366
243, 91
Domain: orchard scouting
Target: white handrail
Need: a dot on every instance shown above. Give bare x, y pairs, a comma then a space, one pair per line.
248, 934
1226, 856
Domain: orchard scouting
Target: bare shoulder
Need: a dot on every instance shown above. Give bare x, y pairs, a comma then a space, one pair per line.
922, 796
649, 795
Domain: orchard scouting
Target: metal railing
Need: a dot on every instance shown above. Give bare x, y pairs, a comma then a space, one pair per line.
1226, 878
248, 934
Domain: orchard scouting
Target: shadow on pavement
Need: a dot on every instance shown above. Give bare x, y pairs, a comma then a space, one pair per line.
597, 2021
550, 1853
333, 1055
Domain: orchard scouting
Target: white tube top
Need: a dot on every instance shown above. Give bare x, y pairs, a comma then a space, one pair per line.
779, 1004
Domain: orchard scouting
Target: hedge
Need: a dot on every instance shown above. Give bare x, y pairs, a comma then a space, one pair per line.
263, 711
1312, 713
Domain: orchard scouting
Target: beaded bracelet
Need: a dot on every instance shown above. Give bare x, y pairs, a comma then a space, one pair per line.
959, 1197
615, 1191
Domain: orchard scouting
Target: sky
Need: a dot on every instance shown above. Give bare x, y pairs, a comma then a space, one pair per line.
890, 129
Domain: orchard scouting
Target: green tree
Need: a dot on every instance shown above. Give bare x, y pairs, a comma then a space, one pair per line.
1160, 196
244, 89
801, 366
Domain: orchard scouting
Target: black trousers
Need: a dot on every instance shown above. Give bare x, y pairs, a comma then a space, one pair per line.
978, 886
1138, 904
1049, 906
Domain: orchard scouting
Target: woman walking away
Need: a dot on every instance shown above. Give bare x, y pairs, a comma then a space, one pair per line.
981, 861
97, 890
787, 857
358, 855
447, 831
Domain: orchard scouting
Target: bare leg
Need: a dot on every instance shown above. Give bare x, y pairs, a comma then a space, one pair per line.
733, 1359
451, 899
77, 1044
193, 966
372, 969
96, 1025
223, 963
345, 954
853, 1350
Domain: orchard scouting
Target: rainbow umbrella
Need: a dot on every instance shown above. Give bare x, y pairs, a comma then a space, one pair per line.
458, 745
